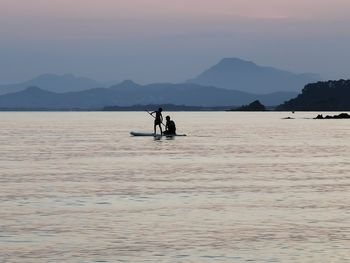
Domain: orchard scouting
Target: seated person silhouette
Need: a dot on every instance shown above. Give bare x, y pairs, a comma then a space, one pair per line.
170, 127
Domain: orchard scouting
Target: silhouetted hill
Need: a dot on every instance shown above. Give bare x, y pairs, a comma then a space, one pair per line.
54, 83
321, 96
237, 74
254, 106
338, 116
129, 93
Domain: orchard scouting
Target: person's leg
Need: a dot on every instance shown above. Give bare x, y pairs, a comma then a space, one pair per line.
155, 128
160, 127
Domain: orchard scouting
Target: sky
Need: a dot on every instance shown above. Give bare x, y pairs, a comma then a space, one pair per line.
170, 41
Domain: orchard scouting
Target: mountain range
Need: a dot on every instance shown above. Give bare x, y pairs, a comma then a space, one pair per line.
129, 93
232, 82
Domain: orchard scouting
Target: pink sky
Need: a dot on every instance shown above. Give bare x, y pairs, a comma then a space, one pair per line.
143, 9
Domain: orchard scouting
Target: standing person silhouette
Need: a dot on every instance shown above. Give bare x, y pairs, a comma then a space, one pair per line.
158, 120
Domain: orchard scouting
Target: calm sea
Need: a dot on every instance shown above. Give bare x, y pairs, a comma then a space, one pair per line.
241, 187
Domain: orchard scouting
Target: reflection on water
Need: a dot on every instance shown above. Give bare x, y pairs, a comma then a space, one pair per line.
242, 187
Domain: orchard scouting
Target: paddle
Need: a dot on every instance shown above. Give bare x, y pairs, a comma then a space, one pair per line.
153, 116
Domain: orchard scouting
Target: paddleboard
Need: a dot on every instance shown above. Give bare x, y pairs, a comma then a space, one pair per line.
155, 135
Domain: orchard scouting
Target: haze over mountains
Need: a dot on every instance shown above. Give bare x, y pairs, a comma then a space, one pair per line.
232, 82
54, 83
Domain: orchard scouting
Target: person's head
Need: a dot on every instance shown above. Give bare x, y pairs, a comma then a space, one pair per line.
167, 118
160, 109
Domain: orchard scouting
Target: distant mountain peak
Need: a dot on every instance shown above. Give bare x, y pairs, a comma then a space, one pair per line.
239, 74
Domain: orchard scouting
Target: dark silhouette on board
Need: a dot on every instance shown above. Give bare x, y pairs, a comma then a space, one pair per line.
158, 120
170, 127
